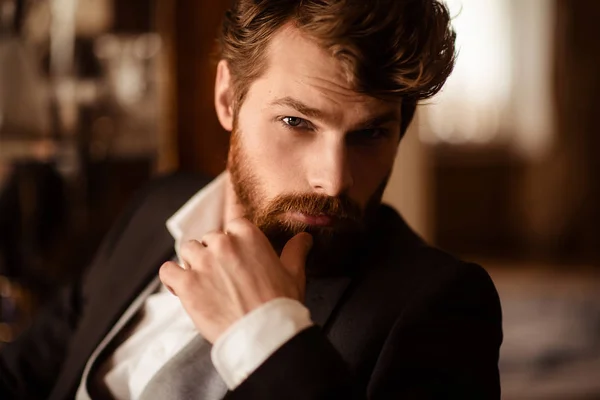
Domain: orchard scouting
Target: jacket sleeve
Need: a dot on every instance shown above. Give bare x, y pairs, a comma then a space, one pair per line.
30, 365
445, 346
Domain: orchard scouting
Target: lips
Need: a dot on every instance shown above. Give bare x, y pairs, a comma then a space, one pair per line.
314, 220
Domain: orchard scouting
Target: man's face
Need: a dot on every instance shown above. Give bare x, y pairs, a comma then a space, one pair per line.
308, 152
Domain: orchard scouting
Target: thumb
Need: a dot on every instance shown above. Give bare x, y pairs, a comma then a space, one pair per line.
293, 255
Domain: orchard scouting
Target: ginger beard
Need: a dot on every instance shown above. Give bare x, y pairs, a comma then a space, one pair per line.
333, 245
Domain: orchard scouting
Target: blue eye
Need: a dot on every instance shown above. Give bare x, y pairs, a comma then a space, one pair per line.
376, 133
294, 122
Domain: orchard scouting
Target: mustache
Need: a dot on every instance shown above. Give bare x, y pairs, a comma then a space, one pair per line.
339, 207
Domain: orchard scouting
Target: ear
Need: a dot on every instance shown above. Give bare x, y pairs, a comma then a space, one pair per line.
224, 96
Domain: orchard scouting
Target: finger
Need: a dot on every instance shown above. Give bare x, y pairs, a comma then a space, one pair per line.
193, 253
240, 227
172, 276
294, 253
242, 231
217, 242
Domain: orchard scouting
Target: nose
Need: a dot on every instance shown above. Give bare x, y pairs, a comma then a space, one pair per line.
330, 171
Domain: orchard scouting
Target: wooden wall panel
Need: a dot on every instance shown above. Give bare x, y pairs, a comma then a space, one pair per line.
577, 62
202, 143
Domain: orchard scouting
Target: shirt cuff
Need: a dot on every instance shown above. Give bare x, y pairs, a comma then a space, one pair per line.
248, 343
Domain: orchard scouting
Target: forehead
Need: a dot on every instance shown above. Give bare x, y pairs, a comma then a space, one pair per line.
298, 67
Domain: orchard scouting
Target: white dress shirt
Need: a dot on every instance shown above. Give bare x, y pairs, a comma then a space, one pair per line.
165, 328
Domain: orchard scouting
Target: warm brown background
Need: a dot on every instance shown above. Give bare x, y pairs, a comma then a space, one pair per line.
534, 224
202, 143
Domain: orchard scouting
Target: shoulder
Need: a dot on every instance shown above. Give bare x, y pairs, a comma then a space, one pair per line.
149, 209
446, 287
447, 277
410, 271
160, 198
436, 275
170, 191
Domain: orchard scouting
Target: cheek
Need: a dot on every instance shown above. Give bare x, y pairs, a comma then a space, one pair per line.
274, 158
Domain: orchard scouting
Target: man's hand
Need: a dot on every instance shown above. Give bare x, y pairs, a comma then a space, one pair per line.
230, 273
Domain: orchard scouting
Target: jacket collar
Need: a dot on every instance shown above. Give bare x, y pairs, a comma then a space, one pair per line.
201, 214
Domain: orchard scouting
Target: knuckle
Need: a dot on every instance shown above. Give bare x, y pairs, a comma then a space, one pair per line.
210, 236
221, 243
217, 242
240, 226
190, 247
165, 273
201, 263
188, 285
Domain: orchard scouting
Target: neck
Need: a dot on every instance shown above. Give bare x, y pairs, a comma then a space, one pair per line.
232, 208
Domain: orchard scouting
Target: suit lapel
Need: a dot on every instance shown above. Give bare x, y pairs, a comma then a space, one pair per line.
144, 257
127, 266
322, 296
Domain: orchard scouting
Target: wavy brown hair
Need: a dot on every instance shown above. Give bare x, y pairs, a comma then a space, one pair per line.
396, 50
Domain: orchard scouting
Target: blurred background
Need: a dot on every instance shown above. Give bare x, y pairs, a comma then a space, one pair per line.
501, 168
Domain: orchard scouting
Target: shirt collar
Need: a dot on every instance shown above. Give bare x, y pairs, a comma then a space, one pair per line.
201, 214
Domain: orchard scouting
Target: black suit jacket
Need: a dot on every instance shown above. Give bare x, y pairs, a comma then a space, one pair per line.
411, 323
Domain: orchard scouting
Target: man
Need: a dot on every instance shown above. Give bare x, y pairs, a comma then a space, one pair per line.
304, 284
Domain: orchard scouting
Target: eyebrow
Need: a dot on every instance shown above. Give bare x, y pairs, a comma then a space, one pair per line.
389, 116
375, 122
298, 106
